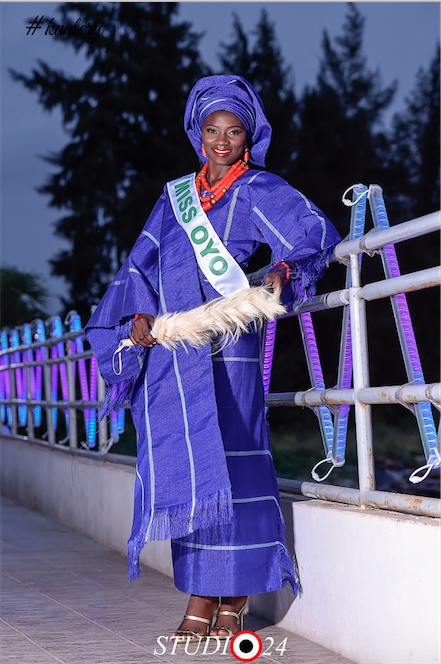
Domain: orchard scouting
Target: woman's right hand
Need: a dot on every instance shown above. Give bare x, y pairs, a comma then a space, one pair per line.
140, 334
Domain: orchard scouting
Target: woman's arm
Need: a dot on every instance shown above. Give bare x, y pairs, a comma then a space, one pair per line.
301, 238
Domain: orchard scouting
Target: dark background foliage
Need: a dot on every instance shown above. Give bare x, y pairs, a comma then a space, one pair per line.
23, 297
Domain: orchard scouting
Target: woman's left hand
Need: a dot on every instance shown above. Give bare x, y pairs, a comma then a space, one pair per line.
275, 280
140, 334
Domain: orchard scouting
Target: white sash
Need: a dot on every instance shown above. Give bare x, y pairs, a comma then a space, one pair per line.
215, 261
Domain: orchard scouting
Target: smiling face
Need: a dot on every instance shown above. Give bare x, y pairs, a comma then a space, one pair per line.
223, 137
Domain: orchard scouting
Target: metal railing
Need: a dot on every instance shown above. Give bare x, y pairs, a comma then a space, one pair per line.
47, 383
53, 383
332, 405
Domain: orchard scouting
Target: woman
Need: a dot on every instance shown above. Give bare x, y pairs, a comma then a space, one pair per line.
205, 476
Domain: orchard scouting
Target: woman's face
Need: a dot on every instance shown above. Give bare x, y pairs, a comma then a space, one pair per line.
223, 137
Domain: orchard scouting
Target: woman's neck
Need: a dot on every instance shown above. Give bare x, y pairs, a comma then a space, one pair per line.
215, 173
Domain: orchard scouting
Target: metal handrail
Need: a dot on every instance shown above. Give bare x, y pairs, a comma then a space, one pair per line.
362, 396
69, 361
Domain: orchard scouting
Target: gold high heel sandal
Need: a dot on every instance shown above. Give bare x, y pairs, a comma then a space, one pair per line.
239, 618
184, 635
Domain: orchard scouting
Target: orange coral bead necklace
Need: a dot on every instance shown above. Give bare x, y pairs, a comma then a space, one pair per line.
216, 192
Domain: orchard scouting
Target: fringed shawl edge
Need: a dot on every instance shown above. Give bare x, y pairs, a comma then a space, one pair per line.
173, 523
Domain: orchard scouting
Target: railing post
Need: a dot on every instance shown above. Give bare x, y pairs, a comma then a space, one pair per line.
29, 396
47, 378
13, 388
102, 425
363, 412
73, 434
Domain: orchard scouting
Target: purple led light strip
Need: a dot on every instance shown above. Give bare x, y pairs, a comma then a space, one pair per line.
316, 376
75, 326
268, 352
344, 377
15, 359
61, 369
93, 396
40, 356
409, 349
27, 356
6, 413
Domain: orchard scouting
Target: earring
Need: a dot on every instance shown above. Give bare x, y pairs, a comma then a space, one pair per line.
204, 154
246, 154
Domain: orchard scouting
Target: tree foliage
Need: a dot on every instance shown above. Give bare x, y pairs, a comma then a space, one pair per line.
124, 119
343, 69
262, 64
415, 141
340, 122
414, 158
23, 297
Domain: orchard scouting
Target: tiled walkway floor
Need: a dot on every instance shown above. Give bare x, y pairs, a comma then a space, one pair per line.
65, 598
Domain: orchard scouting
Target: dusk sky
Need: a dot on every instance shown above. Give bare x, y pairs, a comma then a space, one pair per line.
400, 37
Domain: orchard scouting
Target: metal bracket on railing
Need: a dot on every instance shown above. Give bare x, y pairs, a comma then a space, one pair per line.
428, 392
362, 244
399, 398
324, 399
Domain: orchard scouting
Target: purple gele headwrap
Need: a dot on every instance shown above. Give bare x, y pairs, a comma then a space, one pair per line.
233, 94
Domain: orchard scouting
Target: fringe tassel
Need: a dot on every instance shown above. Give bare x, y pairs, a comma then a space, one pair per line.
287, 564
227, 317
117, 396
305, 275
175, 522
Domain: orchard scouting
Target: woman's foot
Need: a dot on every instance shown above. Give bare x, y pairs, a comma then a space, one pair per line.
230, 617
197, 619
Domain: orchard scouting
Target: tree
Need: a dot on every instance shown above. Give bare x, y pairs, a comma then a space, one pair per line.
415, 154
124, 119
263, 66
428, 138
23, 297
415, 141
235, 57
340, 120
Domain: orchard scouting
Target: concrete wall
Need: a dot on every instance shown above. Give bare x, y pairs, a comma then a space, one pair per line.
371, 587
371, 583
93, 496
